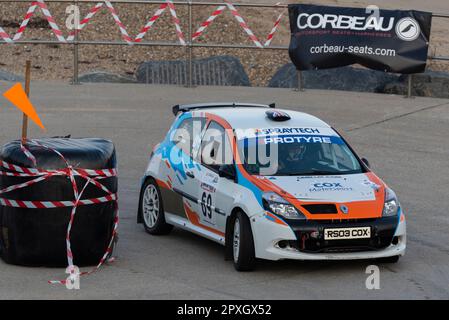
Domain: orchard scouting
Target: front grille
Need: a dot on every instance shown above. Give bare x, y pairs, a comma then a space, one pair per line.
321, 208
311, 239
344, 222
311, 245
310, 234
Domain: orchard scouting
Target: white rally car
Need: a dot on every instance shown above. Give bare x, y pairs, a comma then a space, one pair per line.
270, 184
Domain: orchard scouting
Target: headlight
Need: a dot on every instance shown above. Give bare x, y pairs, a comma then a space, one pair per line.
278, 205
391, 205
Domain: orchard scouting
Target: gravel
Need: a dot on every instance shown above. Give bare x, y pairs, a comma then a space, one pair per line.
55, 61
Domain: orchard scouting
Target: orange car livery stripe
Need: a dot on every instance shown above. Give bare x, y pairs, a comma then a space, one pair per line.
195, 220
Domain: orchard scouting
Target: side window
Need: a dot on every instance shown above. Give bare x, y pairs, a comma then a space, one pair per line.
188, 135
216, 148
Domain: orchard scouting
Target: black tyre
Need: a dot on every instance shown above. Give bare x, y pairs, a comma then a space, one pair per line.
242, 243
393, 259
152, 209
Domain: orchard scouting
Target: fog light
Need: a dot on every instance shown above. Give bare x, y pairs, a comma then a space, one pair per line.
282, 244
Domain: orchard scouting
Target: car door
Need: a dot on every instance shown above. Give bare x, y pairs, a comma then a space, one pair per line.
184, 167
215, 193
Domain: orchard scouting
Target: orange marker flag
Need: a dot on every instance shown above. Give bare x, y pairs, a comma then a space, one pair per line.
17, 96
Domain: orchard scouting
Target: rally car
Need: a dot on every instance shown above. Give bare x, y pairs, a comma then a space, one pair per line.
270, 184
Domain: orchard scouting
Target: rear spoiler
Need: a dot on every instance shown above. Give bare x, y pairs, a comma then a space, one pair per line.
186, 108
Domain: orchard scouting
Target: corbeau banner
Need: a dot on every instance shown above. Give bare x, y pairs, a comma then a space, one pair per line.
389, 40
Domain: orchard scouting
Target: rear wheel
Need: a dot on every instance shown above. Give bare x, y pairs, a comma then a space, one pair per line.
243, 244
152, 209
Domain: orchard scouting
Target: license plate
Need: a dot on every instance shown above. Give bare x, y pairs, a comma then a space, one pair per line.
347, 233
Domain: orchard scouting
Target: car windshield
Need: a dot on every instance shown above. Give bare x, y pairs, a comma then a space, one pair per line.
294, 155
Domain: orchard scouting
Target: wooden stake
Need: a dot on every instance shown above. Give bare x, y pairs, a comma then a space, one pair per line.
27, 91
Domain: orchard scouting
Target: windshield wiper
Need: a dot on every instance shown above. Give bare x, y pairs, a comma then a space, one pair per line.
313, 173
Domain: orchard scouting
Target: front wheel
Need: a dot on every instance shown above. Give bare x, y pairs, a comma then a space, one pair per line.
152, 209
243, 244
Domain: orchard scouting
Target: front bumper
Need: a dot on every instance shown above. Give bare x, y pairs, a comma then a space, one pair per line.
304, 240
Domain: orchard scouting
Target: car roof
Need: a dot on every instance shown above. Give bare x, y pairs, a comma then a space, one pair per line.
248, 116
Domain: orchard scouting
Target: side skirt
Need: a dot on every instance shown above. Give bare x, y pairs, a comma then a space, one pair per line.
185, 224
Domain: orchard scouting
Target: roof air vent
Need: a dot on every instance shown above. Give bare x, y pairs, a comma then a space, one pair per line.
276, 115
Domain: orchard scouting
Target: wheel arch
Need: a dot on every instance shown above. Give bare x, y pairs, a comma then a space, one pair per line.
139, 209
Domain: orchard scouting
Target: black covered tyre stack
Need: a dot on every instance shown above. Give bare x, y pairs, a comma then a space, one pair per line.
37, 237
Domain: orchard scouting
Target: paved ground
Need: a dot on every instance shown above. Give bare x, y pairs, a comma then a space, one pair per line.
405, 140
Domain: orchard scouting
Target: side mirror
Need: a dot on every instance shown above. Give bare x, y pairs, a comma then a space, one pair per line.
366, 162
227, 171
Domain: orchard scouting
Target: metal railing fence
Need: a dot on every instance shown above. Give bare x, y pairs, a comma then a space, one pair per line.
189, 43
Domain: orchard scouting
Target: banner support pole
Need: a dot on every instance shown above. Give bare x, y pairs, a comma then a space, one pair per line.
410, 86
300, 87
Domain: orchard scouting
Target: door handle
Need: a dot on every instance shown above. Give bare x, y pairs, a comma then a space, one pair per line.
190, 174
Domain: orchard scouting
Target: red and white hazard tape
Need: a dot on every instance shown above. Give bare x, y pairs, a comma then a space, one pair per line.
35, 172
85, 21
25, 21
169, 3
28, 154
54, 27
5, 36
43, 6
243, 24
121, 26
50, 204
206, 23
176, 21
103, 259
150, 23
273, 31
90, 176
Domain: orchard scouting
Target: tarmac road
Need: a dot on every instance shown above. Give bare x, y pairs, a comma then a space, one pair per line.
406, 141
